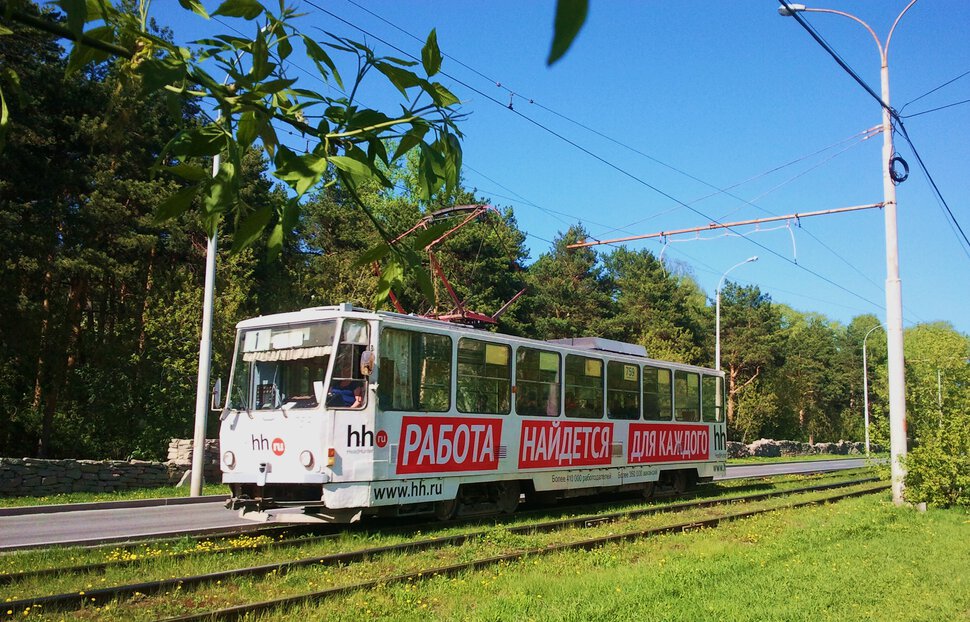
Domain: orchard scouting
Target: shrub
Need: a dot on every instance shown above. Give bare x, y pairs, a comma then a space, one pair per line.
939, 468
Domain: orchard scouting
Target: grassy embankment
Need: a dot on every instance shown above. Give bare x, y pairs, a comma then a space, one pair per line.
859, 559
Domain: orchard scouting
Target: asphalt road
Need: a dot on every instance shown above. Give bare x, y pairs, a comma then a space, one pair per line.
123, 523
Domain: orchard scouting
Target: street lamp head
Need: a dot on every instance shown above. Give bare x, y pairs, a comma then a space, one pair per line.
787, 10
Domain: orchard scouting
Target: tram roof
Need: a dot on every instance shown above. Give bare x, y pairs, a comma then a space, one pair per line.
587, 345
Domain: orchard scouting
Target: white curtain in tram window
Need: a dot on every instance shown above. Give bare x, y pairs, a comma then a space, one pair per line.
396, 346
292, 354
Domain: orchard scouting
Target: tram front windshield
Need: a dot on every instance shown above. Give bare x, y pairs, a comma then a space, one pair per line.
282, 366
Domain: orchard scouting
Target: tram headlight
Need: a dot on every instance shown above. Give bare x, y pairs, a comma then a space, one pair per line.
306, 458
229, 459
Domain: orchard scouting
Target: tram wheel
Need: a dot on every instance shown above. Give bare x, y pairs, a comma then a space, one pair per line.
446, 510
508, 497
681, 482
649, 488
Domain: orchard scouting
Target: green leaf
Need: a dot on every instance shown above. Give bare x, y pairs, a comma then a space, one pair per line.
251, 228
195, 6
274, 245
157, 73
440, 95
177, 204
570, 16
402, 79
391, 274
421, 239
359, 171
315, 52
300, 172
77, 15
191, 172
431, 55
82, 55
261, 67
4, 120
5, 31
270, 140
274, 86
366, 118
284, 48
249, 127
246, 9
376, 149
372, 254
199, 141
410, 140
424, 282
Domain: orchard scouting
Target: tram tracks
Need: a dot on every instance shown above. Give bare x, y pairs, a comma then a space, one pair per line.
261, 538
344, 560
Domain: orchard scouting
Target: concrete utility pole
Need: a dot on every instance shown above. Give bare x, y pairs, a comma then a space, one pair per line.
894, 300
205, 357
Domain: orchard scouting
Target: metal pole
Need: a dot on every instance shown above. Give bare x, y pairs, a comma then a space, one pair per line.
865, 383
717, 312
205, 358
717, 328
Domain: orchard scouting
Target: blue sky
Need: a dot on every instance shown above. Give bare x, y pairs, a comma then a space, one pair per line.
663, 103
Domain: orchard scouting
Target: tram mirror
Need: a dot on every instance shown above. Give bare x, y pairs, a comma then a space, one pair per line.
366, 362
216, 402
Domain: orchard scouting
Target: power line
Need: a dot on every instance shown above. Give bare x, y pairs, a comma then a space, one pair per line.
892, 112
931, 91
916, 114
939, 196
597, 157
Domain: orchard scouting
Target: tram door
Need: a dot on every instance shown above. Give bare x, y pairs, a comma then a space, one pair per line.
351, 404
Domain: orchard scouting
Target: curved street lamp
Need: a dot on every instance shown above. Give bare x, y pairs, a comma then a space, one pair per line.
717, 313
894, 304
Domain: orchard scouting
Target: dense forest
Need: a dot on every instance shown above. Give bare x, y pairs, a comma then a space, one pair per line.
102, 307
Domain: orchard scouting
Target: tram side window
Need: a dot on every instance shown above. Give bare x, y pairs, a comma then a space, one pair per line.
415, 371
584, 387
687, 396
622, 390
537, 383
348, 389
484, 377
657, 405
712, 392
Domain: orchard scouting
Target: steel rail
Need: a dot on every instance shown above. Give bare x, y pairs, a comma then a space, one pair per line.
7, 578
231, 613
77, 599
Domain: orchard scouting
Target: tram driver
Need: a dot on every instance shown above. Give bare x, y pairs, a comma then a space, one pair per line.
346, 392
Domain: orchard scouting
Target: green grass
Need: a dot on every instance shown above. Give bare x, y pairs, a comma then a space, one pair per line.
123, 495
859, 559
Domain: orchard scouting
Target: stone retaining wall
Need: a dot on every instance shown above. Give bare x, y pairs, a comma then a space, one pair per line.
23, 477
768, 448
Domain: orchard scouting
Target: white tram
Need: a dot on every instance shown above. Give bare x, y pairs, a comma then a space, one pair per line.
345, 412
